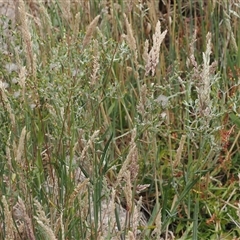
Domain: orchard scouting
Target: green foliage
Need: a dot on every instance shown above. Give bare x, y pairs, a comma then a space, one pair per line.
68, 123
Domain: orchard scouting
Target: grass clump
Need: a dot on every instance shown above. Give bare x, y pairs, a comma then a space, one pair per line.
120, 120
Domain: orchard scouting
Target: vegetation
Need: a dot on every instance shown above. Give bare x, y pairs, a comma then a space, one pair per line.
120, 121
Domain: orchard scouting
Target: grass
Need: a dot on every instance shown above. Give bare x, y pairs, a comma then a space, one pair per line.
115, 125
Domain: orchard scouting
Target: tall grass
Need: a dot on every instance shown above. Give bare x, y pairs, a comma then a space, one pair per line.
119, 121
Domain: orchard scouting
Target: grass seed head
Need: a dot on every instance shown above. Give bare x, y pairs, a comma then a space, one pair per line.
153, 55
90, 30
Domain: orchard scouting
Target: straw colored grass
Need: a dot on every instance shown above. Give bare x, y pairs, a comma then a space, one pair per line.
120, 120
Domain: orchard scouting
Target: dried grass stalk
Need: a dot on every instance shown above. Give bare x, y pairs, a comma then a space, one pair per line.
141, 107
45, 18
131, 162
80, 187
90, 30
8, 221
96, 64
127, 189
137, 216
179, 151
20, 213
8, 106
27, 44
145, 52
20, 148
131, 41
129, 37
111, 210
8, 153
131, 236
191, 59
158, 226
203, 77
206, 80
133, 166
152, 12
76, 27
44, 222
205, 87
62, 225
231, 34
153, 56
22, 81
46, 230
65, 8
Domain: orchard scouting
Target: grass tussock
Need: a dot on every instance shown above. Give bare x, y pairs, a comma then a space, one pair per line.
120, 120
